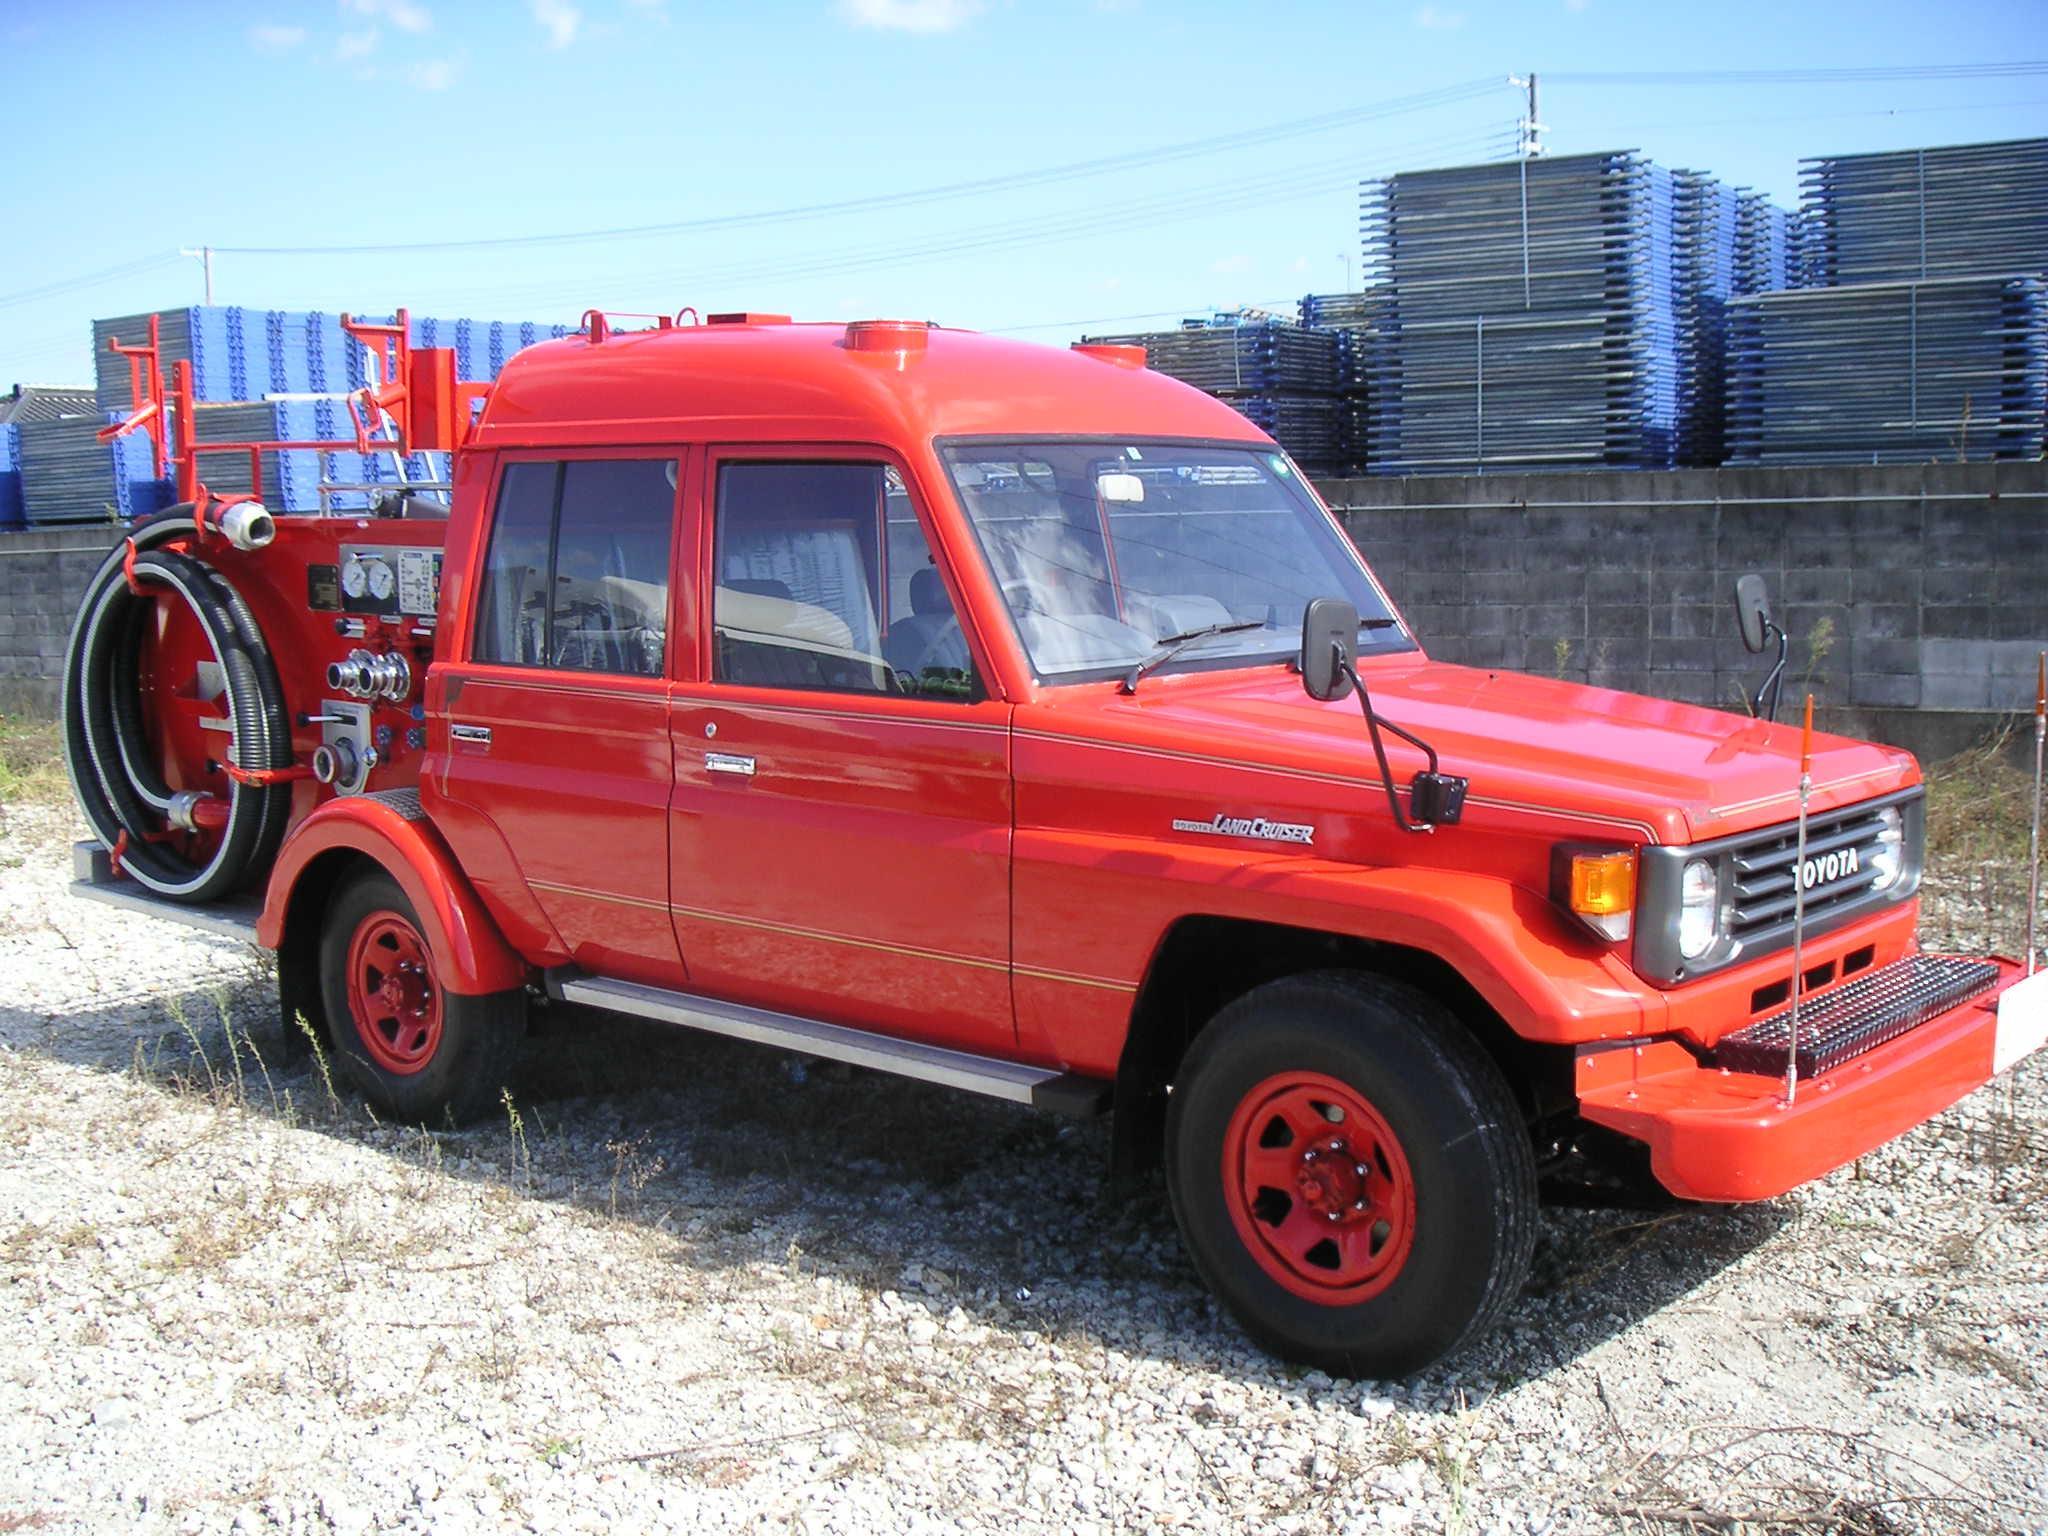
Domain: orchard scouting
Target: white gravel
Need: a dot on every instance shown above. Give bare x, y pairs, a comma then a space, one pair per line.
686, 1286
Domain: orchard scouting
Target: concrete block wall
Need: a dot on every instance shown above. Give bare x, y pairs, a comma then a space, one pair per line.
1916, 596
43, 572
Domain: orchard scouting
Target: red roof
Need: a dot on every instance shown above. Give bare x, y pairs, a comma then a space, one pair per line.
797, 383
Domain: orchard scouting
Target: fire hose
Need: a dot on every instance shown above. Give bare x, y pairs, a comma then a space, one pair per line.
120, 786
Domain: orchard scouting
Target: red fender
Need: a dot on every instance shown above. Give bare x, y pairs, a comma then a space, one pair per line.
470, 954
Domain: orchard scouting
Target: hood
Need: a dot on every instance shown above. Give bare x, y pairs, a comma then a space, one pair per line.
1667, 772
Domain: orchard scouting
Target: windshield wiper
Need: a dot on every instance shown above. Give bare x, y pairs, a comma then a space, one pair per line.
1171, 646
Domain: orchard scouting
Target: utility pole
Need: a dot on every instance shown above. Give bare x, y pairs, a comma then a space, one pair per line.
1530, 146
204, 256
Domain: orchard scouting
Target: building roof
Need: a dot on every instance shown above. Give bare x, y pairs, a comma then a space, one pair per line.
46, 402
760, 379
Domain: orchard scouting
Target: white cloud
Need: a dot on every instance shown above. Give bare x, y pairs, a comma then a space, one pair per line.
405, 15
1301, 263
922, 16
1229, 264
273, 39
558, 18
1576, 5
434, 74
355, 45
1430, 19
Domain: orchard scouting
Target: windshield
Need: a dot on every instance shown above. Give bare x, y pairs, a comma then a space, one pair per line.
1106, 549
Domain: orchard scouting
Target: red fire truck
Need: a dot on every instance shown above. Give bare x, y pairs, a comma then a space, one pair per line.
1018, 719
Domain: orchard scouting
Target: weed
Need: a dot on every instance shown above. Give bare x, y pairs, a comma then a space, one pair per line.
1562, 654
1820, 644
31, 762
634, 1166
319, 1060
522, 1158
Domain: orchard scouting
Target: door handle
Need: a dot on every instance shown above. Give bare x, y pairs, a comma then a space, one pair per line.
479, 734
729, 762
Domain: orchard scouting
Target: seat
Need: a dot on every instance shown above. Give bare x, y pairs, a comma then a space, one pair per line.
927, 636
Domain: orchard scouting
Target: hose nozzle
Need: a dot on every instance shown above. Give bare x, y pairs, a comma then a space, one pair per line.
248, 525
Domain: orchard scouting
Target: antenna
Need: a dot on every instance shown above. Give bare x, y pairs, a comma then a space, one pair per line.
1799, 907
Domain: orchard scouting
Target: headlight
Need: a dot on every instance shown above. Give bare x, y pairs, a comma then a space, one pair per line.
1888, 858
1699, 909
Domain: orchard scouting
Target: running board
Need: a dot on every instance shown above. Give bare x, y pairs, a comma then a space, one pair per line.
96, 880
1041, 1087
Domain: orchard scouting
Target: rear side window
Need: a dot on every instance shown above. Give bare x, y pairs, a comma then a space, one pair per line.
577, 574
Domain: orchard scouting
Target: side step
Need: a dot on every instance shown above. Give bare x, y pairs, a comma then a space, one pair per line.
1041, 1087
94, 879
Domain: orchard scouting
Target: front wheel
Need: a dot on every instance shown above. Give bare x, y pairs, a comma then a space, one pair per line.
1350, 1174
416, 1051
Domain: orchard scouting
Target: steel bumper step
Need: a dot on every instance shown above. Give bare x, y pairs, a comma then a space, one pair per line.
1839, 1025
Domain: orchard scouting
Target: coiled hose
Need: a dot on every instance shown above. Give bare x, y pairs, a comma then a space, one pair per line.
112, 764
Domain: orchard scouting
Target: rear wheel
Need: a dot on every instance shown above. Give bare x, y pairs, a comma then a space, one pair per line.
416, 1051
1350, 1174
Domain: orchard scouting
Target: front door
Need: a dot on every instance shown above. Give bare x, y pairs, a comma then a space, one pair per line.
559, 769
841, 824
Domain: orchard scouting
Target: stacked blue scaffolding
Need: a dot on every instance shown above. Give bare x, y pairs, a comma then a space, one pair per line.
1533, 321
257, 375
1356, 320
1926, 333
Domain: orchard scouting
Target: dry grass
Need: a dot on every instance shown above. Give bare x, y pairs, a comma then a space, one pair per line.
31, 761
1979, 805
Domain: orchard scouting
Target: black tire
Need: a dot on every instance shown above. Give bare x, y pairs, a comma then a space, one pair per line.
1463, 1153
457, 1068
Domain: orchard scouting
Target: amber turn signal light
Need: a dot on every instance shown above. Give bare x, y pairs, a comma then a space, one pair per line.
1603, 891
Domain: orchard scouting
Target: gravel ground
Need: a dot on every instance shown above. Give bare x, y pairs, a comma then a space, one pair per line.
684, 1285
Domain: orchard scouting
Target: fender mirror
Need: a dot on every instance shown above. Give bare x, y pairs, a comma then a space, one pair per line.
1329, 643
1753, 608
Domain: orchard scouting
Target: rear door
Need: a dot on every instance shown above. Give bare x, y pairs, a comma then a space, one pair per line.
841, 826
558, 717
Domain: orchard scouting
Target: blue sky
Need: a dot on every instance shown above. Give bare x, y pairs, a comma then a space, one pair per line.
381, 122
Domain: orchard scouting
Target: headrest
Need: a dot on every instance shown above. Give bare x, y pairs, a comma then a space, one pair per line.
928, 591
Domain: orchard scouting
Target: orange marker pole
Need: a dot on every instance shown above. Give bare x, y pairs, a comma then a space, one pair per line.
1799, 884
2034, 836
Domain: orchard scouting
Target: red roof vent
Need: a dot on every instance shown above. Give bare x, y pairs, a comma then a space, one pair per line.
899, 336
1117, 355
746, 317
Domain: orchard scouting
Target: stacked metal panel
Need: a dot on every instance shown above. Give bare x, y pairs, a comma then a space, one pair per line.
1766, 246
10, 476
1356, 319
1534, 319
1886, 373
1705, 236
1950, 211
67, 474
1283, 378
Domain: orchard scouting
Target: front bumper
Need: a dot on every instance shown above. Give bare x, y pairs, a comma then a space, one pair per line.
1715, 1133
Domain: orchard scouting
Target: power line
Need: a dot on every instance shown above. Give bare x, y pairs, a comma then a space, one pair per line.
66, 285
1861, 75
1323, 122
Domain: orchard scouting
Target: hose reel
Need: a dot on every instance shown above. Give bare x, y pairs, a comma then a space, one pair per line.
120, 785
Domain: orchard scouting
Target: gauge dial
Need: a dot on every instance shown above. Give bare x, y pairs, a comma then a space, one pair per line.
382, 582
355, 580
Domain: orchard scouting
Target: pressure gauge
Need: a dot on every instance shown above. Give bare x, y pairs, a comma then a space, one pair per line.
382, 582
355, 579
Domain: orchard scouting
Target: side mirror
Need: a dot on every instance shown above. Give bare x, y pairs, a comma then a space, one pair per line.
1329, 635
1753, 608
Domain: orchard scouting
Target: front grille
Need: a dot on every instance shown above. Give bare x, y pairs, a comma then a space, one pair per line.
1762, 873
1858, 1016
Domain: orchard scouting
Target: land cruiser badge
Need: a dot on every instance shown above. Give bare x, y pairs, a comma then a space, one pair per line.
1249, 826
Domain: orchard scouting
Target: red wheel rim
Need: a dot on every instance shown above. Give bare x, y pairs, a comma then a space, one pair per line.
1318, 1188
391, 993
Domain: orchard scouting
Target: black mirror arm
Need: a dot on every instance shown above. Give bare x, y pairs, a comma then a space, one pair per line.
1373, 725
1774, 681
